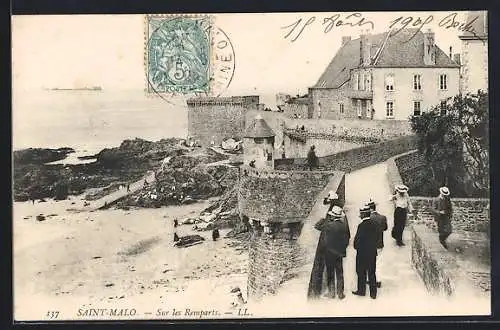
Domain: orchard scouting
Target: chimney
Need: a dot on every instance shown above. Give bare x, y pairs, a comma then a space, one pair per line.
456, 58
429, 48
345, 40
451, 52
365, 49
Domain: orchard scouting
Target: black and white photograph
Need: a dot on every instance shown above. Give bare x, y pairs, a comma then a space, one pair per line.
208, 166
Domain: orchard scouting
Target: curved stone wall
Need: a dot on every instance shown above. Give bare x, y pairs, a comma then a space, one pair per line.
279, 196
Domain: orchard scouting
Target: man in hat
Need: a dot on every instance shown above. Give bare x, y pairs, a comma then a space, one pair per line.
365, 243
402, 207
443, 212
381, 221
332, 200
332, 245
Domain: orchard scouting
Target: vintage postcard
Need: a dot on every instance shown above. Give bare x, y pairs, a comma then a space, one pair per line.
242, 166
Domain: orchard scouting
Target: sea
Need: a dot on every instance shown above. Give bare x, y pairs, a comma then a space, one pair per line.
89, 121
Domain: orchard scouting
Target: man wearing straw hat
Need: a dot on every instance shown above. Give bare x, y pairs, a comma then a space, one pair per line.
331, 250
332, 200
381, 221
402, 207
365, 243
443, 212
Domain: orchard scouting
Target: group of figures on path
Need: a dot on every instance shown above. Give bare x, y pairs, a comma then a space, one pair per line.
368, 241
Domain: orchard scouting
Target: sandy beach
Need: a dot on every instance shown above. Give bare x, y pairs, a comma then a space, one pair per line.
76, 261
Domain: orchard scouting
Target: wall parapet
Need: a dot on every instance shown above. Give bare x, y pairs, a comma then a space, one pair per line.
469, 214
302, 135
279, 196
277, 254
380, 129
356, 158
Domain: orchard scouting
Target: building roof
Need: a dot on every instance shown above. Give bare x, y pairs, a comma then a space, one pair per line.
258, 128
398, 50
478, 22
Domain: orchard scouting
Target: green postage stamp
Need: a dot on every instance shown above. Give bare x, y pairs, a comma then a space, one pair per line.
178, 54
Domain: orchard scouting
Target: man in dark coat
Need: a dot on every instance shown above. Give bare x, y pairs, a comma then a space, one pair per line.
381, 221
443, 213
365, 243
312, 159
332, 245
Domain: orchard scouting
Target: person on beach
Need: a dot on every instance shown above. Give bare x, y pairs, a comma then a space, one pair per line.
176, 237
331, 250
365, 244
176, 223
312, 159
128, 186
215, 234
443, 212
402, 207
381, 221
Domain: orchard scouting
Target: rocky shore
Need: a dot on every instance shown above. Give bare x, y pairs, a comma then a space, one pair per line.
35, 178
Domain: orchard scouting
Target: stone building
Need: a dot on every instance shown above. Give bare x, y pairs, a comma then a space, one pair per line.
258, 144
297, 107
396, 75
475, 53
212, 119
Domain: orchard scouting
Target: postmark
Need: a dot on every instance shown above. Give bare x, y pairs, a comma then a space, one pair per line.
187, 55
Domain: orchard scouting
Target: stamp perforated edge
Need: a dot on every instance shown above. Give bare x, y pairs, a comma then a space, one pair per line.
211, 20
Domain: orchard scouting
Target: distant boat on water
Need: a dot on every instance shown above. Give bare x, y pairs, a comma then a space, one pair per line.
93, 88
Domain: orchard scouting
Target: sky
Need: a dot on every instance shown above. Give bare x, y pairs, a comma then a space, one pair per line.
108, 50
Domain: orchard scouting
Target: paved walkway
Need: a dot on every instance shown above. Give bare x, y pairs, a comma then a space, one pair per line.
403, 292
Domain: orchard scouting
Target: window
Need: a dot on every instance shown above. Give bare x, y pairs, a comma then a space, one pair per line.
368, 85
443, 82
416, 82
442, 108
356, 82
389, 109
362, 82
417, 108
341, 107
258, 140
389, 82
358, 105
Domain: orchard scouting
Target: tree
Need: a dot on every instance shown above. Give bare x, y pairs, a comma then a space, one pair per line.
453, 137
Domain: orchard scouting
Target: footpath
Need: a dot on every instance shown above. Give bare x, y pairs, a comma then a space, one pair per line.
403, 293
115, 196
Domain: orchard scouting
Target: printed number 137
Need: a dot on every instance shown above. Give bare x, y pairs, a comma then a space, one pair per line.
52, 314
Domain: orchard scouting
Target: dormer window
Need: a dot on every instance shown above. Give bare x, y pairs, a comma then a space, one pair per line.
389, 82
368, 85
356, 81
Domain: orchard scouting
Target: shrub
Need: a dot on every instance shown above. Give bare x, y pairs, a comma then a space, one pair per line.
453, 137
